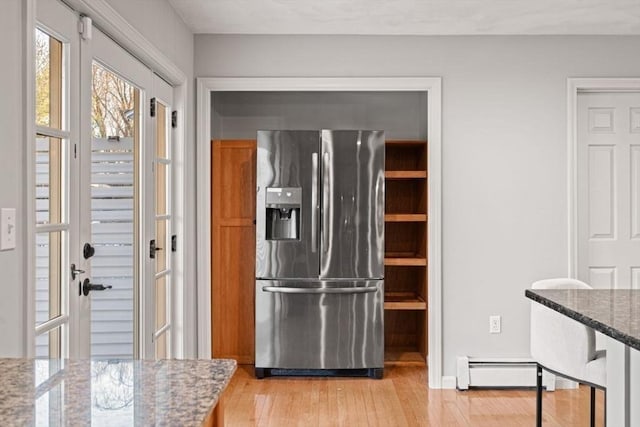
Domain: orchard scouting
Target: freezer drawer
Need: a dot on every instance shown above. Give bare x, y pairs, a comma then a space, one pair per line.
319, 324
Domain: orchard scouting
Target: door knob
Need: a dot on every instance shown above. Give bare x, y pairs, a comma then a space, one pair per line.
88, 251
87, 287
75, 271
153, 249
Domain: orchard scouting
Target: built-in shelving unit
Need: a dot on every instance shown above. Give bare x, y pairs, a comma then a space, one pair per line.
406, 252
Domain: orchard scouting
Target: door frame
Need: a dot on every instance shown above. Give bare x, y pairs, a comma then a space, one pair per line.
118, 28
431, 85
575, 86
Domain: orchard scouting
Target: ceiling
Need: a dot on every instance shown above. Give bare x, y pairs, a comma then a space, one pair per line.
410, 17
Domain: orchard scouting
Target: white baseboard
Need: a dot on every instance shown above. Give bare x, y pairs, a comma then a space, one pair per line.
448, 382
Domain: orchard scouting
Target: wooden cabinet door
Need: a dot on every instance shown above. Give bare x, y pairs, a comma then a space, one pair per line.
233, 249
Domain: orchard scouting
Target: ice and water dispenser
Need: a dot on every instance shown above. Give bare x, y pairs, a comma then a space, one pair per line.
283, 213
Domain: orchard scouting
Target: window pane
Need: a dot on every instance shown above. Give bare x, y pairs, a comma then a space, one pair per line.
161, 188
161, 131
162, 241
49, 180
113, 105
48, 344
162, 298
48, 276
48, 80
162, 346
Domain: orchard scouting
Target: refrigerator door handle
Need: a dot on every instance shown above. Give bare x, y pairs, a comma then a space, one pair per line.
351, 290
314, 202
326, 200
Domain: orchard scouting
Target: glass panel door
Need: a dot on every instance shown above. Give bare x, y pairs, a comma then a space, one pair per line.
52, 187
116, 87
115, 125
102, 195
163, 244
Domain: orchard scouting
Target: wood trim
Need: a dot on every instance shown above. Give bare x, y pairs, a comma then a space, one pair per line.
574, 87
125, 34
431, 85
28, 55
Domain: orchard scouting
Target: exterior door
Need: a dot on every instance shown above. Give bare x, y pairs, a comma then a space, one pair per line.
103, 184
116, 164
55, 291
609, 189
160, 231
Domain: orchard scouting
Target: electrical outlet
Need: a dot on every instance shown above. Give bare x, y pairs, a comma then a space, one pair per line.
495, 324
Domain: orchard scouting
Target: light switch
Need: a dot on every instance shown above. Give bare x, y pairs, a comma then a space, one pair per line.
7, 229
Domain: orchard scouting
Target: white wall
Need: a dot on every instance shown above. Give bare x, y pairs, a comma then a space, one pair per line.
157, 21
11, 175
504, 152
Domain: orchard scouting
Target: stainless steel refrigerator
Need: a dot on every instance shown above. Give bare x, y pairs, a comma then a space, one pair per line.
320, 252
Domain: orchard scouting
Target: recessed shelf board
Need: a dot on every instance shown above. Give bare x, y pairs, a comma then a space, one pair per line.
406, 261
403, 357
405, 174
405, 217
404, 301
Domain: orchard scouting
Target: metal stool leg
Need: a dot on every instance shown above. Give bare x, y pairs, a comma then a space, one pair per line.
593, 407
539, 397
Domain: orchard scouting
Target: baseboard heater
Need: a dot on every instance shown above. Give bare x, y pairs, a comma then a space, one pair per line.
499, 373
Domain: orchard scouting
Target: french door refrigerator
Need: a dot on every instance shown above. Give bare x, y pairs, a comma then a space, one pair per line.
320, 252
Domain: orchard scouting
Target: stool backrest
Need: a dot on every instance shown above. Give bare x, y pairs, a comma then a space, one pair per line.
558, 342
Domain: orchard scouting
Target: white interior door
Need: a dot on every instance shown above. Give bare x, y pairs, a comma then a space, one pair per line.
609, 189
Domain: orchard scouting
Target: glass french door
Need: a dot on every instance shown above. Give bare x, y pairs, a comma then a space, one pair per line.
103, 196
56, 54
162, 243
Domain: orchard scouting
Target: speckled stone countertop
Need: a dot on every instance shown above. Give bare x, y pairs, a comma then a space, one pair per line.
614, 312
110, 392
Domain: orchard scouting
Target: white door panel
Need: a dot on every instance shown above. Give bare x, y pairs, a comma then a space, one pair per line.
609, 189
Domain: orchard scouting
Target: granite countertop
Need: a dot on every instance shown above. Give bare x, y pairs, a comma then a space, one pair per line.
614, 312
111, 392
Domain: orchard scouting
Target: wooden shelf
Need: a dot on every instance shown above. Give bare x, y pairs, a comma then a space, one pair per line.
405, 142
405, 261
405, 258
405, 218
406, 174
403, 357
404, 301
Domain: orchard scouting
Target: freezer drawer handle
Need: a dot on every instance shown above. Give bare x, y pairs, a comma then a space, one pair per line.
283, 290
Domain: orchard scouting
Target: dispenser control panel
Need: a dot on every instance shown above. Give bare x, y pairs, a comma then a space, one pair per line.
282, 197
283, 213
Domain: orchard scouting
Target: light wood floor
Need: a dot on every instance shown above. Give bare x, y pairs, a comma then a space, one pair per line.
401, 398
